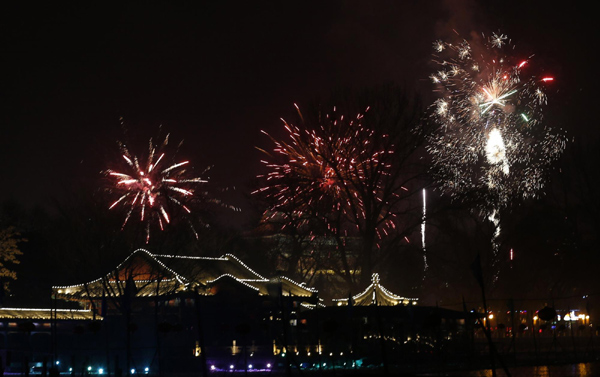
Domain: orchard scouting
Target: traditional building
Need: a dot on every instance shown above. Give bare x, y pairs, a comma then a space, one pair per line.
158, 314
376, 294
375, 327
168, 314
143, 274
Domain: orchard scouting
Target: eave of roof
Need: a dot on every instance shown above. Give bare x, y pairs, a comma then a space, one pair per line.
376, 294
187, 273
47, 314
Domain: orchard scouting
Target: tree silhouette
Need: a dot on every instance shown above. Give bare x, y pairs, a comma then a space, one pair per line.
353, 180
9, 253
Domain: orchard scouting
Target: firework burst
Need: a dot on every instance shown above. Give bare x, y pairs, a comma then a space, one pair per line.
491, 146
150, 190
305, 181
335, 175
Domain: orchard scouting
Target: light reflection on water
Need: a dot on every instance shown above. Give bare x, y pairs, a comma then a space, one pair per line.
572, 370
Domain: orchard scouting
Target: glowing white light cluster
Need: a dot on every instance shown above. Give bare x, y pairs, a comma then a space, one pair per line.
491, 145
495, 150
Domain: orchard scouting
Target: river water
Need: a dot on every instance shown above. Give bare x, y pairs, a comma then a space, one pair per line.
570, 370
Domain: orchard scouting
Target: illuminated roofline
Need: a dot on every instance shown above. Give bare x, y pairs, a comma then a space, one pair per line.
179, 278
375, 284
47, 310
188, 257
312, 306
224, 257
313, 290
243, 264
236, 279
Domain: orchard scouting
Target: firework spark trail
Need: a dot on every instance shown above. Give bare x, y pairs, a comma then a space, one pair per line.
325, 174
147, 189
423, 227
491, 146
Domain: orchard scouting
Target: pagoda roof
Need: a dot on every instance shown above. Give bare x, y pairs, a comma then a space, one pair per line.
148, 274
376, 294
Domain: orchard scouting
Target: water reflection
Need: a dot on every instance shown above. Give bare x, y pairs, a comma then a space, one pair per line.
582, 369
541, 371
574, 370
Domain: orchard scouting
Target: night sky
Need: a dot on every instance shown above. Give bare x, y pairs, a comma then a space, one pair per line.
215, 73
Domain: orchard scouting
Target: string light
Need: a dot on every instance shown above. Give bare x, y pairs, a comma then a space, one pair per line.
372, 289
258, 283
